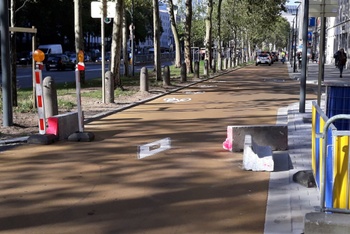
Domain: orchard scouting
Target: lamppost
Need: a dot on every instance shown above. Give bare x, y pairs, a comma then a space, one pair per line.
132, 41
291, 38
295, 37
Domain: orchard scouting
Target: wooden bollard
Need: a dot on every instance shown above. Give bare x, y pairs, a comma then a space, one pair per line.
196, 70
225, 63
213, 65
109, 83
50, 97
206, 67
166, 75
183, 73
144, 86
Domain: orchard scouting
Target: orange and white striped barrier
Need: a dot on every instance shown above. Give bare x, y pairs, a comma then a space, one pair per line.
40, 100
80, 111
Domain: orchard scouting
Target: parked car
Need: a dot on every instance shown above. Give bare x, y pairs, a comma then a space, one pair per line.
59, 62
99, 59
264, 58
87, 58
73, 58
24, 58
274, 56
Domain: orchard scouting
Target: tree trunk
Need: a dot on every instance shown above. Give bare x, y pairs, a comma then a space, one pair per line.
219, 36
188, 24
156, 40
242, 48
125, 45
116, 44
175, 34
235, 47
249, 49
208, 33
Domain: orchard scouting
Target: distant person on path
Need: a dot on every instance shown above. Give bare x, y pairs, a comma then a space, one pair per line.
340, 58
283, 54
299, 59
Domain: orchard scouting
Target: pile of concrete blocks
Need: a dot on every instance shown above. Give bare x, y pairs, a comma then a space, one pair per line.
275, 136
257, 157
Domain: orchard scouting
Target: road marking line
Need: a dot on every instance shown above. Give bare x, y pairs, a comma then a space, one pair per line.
194, 92
208, 86
176, 100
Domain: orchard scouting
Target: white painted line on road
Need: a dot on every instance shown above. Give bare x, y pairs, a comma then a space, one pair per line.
176, 100
29, 76
218, 81
153, 148
207, 86
194, 92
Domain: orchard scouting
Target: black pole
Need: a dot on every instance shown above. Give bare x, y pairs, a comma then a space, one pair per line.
291, 49
5, 64
132, 41
304, 58
321, 58
289, 42
295, 40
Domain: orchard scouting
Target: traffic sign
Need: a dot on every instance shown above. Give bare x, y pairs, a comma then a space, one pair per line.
97, 9
107, 20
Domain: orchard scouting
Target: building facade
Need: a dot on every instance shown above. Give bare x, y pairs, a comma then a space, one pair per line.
336, 30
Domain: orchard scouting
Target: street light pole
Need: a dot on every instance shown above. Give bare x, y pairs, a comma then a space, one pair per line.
295, 35
103, 16
304, 58
291, 47
6, 73
132, 41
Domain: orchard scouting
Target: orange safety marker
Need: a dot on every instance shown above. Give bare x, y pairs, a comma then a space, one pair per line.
80, 67
39, 56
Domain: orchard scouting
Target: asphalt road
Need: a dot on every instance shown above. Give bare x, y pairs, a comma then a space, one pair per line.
192, 186
92, 71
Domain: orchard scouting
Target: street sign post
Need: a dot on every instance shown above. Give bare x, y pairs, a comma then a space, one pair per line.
103, 10
97, 9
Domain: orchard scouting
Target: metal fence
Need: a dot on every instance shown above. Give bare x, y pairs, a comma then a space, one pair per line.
149, 58
330, 161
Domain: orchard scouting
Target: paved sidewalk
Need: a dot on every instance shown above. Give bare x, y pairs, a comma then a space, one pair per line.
288, 202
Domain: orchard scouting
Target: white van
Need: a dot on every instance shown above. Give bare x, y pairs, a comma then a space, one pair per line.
51, 49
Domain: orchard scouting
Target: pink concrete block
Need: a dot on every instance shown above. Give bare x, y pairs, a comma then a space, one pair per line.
52, 128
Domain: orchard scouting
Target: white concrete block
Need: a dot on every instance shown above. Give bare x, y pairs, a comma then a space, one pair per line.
256, 157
